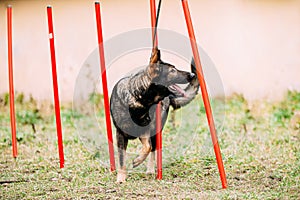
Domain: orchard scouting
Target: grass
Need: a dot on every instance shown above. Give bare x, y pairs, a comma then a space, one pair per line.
260, 143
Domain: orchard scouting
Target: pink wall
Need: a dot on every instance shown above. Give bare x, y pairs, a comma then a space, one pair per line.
254, 44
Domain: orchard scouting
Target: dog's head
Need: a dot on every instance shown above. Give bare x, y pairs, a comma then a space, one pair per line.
167, 74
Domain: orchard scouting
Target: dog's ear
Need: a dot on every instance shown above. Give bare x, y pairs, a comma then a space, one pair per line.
155, 56
193, 66
154, 64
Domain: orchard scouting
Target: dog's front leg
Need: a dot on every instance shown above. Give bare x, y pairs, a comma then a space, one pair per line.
146, 149
151, 163
122, 142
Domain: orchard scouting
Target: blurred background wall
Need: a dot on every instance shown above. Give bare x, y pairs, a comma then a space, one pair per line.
254, 44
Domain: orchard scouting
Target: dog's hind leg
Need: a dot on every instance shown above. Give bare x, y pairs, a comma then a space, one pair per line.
122, 142
146, 149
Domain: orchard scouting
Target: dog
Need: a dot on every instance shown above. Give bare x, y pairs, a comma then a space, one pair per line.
134, 100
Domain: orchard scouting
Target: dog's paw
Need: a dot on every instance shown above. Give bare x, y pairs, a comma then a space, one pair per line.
121, 177
136, 162
150, 171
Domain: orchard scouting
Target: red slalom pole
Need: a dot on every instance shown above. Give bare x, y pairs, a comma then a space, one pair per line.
105, 88
159, 141
153, 20
158, 108
11, 83
204, 93
55, 88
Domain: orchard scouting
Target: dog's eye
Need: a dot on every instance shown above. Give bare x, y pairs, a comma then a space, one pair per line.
173, 70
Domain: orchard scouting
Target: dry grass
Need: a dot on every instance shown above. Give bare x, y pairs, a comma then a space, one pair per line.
260, 143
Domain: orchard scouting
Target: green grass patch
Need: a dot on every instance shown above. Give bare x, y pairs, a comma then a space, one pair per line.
260, 143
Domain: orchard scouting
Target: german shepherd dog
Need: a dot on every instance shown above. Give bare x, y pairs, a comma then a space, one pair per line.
134, 100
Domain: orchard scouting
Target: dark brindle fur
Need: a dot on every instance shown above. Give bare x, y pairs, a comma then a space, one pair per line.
134, 100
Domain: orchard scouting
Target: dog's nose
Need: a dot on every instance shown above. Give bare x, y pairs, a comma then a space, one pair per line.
191, 76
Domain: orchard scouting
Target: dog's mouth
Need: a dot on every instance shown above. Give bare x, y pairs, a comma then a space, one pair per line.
177, 90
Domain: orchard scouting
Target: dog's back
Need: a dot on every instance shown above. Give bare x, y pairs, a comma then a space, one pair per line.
129, 114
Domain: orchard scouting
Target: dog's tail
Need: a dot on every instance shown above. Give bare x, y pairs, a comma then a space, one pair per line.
190, 91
